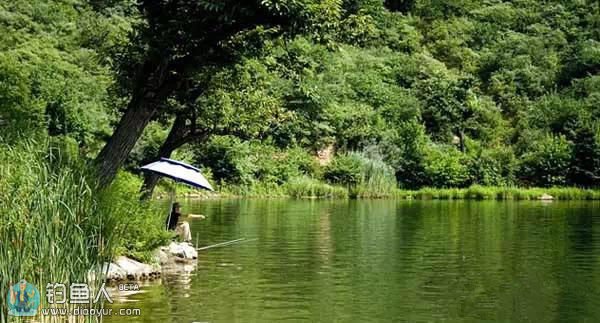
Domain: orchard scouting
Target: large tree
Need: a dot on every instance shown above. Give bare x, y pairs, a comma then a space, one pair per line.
175, 39
243, 101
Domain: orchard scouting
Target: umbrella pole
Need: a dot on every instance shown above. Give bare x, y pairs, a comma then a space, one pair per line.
172, 196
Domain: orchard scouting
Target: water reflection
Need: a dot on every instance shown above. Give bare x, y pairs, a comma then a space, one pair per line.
386, 261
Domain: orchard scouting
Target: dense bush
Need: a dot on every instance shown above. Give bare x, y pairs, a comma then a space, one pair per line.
546, 162
493, 166
404, 150
585, 162
143, 224
235, 162
344, 170
446, 166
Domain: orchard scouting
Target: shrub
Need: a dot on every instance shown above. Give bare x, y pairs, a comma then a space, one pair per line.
227, 157
344, 169
403, 149
252, 165
445, 166
494, 167
546, 162
585, 164
144, 222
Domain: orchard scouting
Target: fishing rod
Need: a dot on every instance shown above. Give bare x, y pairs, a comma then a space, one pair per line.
226, 243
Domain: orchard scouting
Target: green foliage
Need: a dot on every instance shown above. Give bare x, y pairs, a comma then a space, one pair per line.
143, 223
546, 161
585, 162
55, 226
54, 81
431, 94
477, 192
404, 150
305, 187
365, 174
147, 147
233, 161
446, 166
344, 170
494, 167
55, 219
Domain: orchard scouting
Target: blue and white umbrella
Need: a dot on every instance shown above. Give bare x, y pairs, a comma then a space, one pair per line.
178, 171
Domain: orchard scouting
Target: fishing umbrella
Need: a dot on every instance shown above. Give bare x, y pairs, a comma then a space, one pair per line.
180, 172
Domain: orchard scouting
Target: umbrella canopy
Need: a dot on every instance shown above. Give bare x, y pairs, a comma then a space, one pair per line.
178, 171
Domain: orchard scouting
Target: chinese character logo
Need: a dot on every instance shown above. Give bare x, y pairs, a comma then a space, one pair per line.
23, 299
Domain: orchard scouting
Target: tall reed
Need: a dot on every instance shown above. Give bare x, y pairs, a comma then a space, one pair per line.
55, 228
305, 187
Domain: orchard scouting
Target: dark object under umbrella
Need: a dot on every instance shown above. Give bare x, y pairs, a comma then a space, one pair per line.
180, 172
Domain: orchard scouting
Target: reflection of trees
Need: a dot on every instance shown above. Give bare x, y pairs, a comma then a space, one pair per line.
579, 276
415, 260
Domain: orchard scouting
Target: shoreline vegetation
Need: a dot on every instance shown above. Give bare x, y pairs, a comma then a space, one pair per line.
312, 189
58, 227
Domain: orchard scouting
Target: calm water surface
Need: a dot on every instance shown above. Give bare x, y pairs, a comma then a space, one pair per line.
381, 261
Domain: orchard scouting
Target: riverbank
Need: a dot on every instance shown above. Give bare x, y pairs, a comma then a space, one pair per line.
501, 193
319, 190
164, 259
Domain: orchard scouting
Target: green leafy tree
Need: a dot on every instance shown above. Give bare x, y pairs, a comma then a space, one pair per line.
344, 170
445, 166
176, 39
546, 162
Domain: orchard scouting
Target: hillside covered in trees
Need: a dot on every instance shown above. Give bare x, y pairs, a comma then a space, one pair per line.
404, 94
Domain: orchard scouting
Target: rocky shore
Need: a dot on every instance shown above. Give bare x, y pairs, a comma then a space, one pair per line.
164, 258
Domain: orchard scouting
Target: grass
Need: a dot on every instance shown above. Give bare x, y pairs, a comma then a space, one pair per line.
376, 180
477, 192
305, 187
300, 187
311, 188
55, 227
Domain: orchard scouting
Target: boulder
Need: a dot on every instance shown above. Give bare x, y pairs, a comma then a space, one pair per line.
182, 250
546, 197
114, 272
174, 255
160, 256
136, 270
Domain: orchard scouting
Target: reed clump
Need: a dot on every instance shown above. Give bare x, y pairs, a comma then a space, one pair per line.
305, 187
55, 226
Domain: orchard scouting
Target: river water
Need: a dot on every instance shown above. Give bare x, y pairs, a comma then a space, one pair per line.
381, 261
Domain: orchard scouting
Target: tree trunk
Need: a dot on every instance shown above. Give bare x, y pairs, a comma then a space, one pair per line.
152, 89
461, 136
130, 128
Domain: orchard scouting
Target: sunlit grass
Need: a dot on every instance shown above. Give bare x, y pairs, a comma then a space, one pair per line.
477, 192
305, 187
55, 227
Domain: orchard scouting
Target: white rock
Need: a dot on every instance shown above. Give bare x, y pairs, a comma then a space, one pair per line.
135, 269
183, 250
113, 271
160, 256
